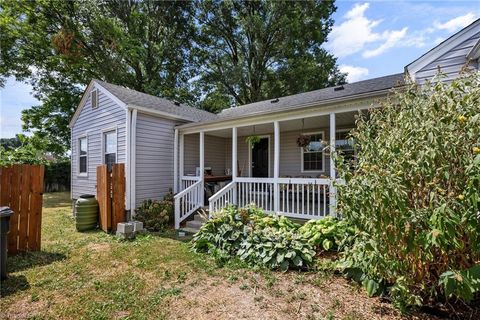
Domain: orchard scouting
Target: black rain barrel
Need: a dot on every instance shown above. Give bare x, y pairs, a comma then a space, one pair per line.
86, 208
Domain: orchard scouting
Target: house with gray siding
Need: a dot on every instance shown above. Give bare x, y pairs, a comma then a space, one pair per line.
274, 153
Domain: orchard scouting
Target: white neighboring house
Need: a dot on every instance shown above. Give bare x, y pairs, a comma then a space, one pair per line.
166, 145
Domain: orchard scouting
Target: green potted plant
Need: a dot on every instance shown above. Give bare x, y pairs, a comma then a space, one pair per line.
252, 140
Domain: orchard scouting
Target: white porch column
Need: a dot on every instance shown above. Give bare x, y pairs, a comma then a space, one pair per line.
276, 166
202, 165
181, 160
333, 193
175, 162
234, 164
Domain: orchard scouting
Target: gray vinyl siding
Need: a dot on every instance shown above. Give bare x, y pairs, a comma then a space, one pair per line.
221, 158
214, 154
450, 63
92, 123
154, 157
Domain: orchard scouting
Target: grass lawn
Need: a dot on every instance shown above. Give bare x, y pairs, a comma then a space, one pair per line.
95, 276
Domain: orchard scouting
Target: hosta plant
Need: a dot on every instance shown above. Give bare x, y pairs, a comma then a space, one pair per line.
415, 192
327, 233
254, 237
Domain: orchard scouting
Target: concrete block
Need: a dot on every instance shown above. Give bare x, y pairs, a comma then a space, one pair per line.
125, 236
124, 227
137, 226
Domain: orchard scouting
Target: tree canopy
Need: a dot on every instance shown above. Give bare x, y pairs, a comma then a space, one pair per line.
209, 54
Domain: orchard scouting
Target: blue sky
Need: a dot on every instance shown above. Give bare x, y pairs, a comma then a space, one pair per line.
370, 39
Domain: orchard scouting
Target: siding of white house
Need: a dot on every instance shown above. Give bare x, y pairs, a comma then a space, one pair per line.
92, 123
154, 157
450, 63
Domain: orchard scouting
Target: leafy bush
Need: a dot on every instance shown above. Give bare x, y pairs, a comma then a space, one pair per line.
414, 195
255, 238
327, 233
156, 215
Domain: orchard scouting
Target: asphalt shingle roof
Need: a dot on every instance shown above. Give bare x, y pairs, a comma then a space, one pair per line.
301, 99
140, 99
132, 97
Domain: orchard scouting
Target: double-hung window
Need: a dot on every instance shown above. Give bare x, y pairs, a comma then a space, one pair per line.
82, 156
345, 143
312, 155
110, 148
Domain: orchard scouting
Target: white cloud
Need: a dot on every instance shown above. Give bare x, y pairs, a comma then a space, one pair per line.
457, 23
392, 38
354, 73
357, 31
438, 40
354, 33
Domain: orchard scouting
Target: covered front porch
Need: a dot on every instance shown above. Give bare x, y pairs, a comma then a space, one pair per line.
275, 170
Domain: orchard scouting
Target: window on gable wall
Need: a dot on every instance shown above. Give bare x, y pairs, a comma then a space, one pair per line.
312, 154
94, 98
82, 155
110, 148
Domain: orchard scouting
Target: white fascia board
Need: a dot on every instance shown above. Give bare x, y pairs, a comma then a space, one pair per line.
443, 48
475, 52
319, 108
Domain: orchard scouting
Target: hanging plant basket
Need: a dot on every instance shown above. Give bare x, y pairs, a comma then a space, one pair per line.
252, 140
303, 140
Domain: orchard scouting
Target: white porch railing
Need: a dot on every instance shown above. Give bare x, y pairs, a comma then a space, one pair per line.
188, 181
297, 197
222, 198
187, 201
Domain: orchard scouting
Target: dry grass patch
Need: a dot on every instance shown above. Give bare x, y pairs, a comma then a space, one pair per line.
94, 276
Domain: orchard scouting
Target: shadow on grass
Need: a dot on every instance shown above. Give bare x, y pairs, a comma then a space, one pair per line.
13, 284
32, 259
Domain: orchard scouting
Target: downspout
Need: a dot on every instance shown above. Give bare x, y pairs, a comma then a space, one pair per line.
133, 156
128, 160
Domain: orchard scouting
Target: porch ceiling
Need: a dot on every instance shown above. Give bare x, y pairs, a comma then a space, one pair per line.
346, 119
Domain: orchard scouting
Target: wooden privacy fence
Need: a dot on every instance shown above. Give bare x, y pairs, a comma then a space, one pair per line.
21, 189
111, 196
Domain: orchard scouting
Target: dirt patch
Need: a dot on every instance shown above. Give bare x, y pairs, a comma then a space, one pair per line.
25, 308
99, 247
254, 297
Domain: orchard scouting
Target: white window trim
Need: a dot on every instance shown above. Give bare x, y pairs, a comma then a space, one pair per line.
323, 154
82, 174
96, 98
107, 130
346, 130
269, 155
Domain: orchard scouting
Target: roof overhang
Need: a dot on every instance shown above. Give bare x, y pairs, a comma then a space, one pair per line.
95, 85
441, 49
337, 105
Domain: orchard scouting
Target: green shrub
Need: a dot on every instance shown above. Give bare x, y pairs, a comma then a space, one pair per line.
255, 238
414, 194
156, 215
326, 234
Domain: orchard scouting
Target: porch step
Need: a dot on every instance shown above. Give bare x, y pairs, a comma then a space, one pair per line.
188, 231
194, 224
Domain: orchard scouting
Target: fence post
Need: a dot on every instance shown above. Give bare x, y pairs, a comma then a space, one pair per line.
177, 213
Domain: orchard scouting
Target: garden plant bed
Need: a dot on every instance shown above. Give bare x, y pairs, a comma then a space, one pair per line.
93, 275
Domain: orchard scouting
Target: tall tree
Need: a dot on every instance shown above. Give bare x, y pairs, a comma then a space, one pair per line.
59, 46
255, 50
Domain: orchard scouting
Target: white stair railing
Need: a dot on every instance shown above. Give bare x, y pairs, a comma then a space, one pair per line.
187, 202
187, 181
222, 198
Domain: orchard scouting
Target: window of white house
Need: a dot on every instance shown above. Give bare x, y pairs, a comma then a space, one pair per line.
110, 148
345, 143
82, 155
94, 98
312, 154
